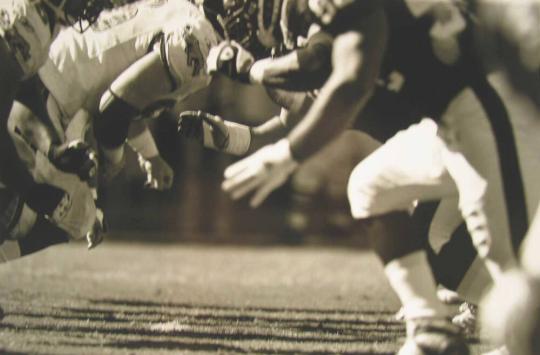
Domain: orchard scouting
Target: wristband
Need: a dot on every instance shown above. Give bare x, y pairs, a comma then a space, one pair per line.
239, 138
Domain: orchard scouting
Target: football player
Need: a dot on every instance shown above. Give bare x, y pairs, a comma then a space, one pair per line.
444, 46
27, 29
369, 34
136, 59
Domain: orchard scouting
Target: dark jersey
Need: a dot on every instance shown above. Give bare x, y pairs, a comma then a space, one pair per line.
414, 82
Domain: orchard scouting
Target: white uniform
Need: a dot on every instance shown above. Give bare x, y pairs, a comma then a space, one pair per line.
82, 66
25, 27
411, 166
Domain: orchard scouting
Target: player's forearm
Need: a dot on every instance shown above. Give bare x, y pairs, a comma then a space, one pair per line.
333, 111
141, 140
302, 70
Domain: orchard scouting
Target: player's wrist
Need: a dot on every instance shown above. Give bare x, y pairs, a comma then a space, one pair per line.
239, 138
282, 149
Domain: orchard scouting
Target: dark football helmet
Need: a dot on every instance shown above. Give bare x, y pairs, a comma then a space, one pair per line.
252, 23
80, 14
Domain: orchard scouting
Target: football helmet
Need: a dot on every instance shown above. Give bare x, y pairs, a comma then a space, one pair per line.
254, 24
80, 14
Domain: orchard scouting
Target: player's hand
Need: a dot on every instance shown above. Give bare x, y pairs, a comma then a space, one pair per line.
231, 59
75, 157
208, 129
96, 235
159, 175
261, 172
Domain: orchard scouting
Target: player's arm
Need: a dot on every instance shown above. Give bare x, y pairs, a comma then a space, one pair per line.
356, 57
303, 69
134, 90
159, 175
238, 139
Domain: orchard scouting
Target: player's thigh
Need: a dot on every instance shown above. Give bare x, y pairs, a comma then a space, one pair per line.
407, 168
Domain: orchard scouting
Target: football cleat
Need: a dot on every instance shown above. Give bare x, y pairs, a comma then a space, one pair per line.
434, 337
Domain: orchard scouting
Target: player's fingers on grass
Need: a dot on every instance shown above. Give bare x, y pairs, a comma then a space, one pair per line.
261, 194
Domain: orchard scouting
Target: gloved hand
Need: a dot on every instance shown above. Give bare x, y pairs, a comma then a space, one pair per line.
231, 59
75, 157
208, 129
214, 132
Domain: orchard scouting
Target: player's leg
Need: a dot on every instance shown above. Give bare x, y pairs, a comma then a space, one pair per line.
22, 230
386, 184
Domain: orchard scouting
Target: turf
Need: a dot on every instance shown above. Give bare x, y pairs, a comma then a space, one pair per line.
166, 298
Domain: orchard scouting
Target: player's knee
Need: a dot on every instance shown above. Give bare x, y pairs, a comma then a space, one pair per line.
393, 235
360, 192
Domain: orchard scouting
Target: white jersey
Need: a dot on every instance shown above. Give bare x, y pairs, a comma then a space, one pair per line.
82, 66
26, 28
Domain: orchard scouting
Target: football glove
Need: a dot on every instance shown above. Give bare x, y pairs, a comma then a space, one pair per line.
214, 132
159, 175
231, 59
75, 157
262, 172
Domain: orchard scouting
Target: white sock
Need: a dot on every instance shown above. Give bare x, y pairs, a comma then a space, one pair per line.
9, 250
411, 278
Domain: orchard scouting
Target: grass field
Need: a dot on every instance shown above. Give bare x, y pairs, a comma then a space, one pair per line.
160, 298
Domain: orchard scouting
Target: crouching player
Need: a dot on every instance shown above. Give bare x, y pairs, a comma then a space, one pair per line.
345, 93
25, 231
136, 59
27, 30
